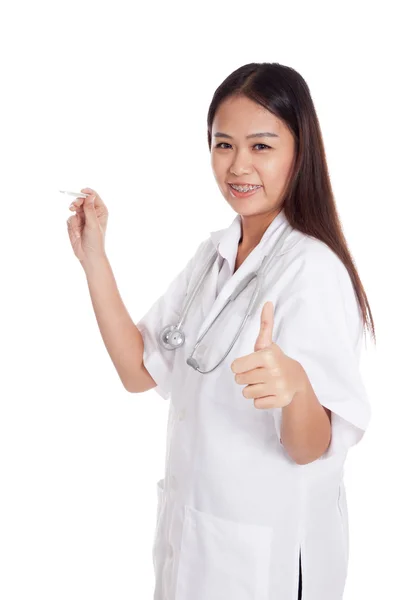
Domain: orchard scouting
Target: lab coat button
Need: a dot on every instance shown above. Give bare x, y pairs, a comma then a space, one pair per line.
174, 483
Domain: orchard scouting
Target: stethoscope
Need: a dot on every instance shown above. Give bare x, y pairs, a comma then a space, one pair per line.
173, 337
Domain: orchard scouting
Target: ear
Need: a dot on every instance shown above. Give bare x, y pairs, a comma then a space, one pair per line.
264, 339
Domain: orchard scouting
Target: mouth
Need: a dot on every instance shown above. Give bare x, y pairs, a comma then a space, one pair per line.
243, 191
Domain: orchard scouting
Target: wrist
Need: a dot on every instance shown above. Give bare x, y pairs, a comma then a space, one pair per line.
302, 383
94, 263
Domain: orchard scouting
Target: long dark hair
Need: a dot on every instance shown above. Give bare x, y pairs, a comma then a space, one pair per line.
308, 199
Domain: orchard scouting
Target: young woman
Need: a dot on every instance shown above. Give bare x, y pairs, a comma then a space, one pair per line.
263, 380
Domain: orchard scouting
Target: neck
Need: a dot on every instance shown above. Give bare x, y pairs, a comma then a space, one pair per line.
254, 227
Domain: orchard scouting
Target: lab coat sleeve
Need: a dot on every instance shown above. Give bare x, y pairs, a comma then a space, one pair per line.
319, 324
166, 310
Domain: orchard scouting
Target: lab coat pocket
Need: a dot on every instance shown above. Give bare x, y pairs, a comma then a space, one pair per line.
158, 537
223, 559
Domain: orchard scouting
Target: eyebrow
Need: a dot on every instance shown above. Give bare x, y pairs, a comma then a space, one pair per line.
252, 135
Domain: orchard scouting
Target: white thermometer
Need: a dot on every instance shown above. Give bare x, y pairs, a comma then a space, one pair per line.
75, 194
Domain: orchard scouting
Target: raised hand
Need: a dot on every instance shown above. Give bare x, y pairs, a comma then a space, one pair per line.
87, 228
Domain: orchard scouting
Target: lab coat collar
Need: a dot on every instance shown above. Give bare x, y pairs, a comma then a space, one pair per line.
226, 239
226, 243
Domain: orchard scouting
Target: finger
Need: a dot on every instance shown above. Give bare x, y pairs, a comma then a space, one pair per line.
73, 228
89, 211
265, 402
258, 375
76, 207
264, 339
257, 391
97, 200
248, 362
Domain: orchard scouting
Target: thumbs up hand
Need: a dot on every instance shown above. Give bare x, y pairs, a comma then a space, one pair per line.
272, 377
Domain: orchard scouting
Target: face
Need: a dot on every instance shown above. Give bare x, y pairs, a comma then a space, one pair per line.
237, 158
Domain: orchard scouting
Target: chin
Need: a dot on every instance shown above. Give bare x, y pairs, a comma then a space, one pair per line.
246, 208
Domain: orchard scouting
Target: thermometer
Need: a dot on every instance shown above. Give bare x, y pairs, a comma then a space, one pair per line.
74, 194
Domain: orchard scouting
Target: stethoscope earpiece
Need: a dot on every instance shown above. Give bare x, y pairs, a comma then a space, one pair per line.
172, 337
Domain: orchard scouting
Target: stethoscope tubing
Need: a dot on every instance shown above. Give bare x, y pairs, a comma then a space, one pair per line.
196, 288
239, 288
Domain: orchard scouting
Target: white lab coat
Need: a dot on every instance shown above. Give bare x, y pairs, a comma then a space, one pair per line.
234, 510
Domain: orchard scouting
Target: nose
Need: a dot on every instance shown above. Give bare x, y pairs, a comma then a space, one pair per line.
241, 163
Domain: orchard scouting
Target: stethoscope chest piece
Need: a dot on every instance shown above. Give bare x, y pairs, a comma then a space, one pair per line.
172, 337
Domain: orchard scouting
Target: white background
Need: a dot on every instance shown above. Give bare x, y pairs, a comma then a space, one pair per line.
114, 96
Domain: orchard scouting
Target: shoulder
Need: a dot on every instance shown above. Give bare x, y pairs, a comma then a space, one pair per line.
318, 272
205, 249
314, 258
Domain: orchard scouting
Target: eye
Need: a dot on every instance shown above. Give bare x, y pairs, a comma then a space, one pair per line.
225, 144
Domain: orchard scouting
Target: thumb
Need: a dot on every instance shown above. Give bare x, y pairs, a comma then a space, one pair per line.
264, 339
90, 211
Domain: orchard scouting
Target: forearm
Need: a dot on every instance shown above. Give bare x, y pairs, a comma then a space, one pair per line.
121, 337
306, 425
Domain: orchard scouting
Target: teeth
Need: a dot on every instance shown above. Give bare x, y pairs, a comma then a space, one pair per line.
244, 188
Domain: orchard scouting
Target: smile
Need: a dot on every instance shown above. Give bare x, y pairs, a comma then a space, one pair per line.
244, 188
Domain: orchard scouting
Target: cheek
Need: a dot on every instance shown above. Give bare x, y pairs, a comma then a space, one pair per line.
219, 166
274, 174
